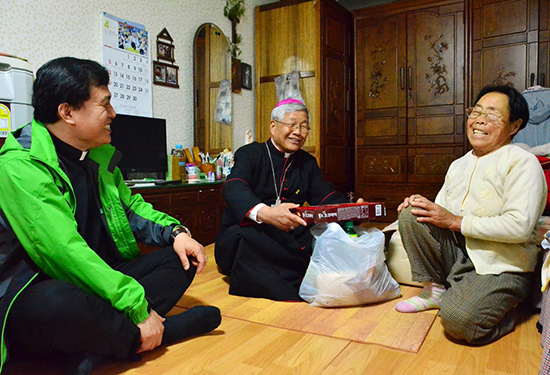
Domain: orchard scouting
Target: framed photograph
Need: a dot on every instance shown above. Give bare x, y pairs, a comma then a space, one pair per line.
159, 70
236, 75
165, 51
246, 76
165, 74
172, 76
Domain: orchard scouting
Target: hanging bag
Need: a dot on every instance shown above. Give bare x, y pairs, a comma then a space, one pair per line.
288, 86
223, 103
346, 271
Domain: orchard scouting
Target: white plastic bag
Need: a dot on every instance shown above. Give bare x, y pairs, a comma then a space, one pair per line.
223, 103
346, 271
288, 86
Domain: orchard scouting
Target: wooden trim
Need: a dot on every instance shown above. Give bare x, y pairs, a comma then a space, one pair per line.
280, 4
399, 7
257, 68
308, 74
318, 127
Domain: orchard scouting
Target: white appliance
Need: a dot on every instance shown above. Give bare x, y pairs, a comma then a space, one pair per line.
16, 79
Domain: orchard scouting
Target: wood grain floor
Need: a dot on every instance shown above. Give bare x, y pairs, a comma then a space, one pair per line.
241, 347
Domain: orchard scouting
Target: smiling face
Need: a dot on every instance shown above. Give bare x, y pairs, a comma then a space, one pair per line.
489, 134
92, 121
286, 139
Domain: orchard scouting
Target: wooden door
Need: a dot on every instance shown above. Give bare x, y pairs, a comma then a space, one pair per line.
544, 44
287, 40
336, 138
504, 43
381, 80
410, 64
435, 79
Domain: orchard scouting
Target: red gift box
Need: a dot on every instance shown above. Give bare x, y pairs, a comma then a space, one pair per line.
341, 212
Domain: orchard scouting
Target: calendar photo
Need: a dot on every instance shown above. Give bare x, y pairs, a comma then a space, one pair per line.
127, 56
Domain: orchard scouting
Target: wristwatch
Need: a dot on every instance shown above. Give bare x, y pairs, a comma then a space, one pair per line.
179, 229
149, 305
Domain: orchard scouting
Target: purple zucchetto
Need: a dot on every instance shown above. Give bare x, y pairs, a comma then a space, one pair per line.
288, 101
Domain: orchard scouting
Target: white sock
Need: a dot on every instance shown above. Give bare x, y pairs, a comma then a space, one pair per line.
429, 298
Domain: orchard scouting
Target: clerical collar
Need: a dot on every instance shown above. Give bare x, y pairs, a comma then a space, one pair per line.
67, 150
286, 154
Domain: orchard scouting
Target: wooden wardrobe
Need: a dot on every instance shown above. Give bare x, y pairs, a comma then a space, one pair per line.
419, 65
314, 38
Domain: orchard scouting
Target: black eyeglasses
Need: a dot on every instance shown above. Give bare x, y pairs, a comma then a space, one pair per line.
303, 128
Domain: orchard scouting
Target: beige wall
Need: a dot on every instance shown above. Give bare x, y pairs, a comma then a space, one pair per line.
41, 30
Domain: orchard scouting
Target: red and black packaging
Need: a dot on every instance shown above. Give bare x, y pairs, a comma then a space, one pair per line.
341, 212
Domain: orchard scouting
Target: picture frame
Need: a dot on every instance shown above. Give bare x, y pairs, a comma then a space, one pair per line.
165, 51
236, 75
165, 74
246, 76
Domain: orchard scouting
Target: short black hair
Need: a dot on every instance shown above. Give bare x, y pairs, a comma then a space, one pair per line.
65, 80
516, 102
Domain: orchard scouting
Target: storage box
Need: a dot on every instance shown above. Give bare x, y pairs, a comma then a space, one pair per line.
16, 80
341, 212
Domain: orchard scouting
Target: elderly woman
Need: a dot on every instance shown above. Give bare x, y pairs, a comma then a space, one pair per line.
474, 247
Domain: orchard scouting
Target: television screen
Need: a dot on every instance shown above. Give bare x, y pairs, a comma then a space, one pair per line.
142, 142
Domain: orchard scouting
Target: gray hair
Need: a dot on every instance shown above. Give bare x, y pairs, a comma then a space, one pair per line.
279, 112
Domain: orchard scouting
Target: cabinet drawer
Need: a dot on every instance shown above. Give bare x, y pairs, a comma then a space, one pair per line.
208, 222
185, 198
186, 217
381, 165
210, 195
159, 202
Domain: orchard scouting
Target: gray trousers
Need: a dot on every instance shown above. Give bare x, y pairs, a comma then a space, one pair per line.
476, 308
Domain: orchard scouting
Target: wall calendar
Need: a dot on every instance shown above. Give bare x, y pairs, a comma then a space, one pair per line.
127, 56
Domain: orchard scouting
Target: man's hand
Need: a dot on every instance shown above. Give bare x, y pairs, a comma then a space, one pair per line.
430, 212
281, 217
190, 250
151, 331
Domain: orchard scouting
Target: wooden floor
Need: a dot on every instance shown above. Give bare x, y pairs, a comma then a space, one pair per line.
240, 347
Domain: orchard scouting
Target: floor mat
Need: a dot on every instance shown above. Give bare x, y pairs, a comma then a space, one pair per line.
376, 324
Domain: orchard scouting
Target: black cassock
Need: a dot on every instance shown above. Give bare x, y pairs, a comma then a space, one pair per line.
262, 260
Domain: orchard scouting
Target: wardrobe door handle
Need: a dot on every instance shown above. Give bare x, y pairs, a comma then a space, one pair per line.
402, 78
409, 78
532, 80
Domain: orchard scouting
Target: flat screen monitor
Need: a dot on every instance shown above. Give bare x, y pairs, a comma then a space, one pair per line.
142, 142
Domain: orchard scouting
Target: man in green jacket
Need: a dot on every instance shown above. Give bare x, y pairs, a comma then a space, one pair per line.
73, 282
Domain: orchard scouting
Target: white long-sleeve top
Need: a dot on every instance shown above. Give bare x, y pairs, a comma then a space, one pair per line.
500, 197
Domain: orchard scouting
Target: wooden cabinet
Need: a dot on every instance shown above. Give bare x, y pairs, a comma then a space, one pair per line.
410, 98
509, 43
315, 39
197, 206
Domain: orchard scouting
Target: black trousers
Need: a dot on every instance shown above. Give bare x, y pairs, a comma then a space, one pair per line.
264, 261
52, 317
